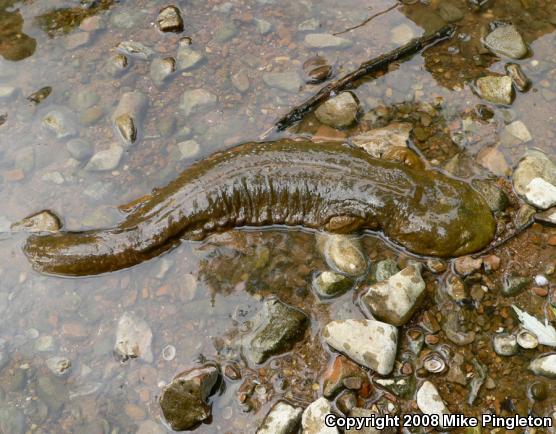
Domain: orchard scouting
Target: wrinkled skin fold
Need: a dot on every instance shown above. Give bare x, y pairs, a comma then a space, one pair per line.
325, 186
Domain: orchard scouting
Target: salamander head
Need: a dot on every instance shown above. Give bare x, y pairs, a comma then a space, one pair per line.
444, 217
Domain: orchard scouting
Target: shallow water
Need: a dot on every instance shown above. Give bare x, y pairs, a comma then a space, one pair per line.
200, 297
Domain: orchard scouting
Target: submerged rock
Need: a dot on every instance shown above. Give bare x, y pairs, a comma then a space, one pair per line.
312, 421
283, 418
184, 401
316, 69
107, 159
394, 300
59, 122
520, 80
544, 365
133, 338
497, 90
506, 41
370, 343
343, 253
385, 269
339, 111
535, 179
286, 81
40, 95
197, 100
170, 20
128, 115
376, 142
161, 69
430, 402
504, 344
325, 40
278, 327
136, 50
80, 149
59, 366
518, 133
329, 284
187, 58
116, 65
43, 221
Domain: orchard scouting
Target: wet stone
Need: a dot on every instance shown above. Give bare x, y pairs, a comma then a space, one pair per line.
105, 160
316, 69
339, 111
495, 197
385, 269
516, 133
7, 93
394, 300
12, 420
60, 123
450, 12
78, 39
520, 80
40, 95
372, 344
379, 140
547, 217
429, 400
399, 386
283, 418
325, 40
43, 221
535, 179
84, 99
240, 80
128, 115
170, 20
197, 100
514, 284
161, 69
80, 149
116, 65
495, 89
188, 149
504, 344
465, 265
263, 26
343, 253
544, 365
59, 366
286, 81
506, 41
402, 34
184, 401
329, 284
277, 328
226, 32
133, 338
136, 50
313, 419
187, 58
340, 372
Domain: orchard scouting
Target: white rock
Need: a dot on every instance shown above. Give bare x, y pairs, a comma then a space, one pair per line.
325, 40
377, 141
283, 418
188, 149
370, 343
133, 338
43, 221
506, 41
105, 160
429, 400
504, 344
518, 130
196, 100
544, 365
339, 111
343, 253
312, 421
540, 193
536, 164
394, 300
402, 34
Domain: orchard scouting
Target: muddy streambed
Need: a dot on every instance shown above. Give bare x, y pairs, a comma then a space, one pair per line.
95, 354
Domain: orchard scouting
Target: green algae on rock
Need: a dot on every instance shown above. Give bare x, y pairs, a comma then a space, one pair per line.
325, 186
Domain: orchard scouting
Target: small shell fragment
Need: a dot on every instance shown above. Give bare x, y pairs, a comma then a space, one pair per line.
434, 363
527, 340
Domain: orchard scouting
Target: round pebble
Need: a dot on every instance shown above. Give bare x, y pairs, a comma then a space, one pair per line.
169, 353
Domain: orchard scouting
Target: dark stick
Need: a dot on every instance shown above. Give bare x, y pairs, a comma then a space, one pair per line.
367, 21
372, 65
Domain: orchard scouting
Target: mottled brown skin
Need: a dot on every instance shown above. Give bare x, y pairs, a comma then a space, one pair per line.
326, 186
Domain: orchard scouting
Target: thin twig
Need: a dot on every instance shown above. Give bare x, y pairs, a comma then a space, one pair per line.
368, 20
504, 240
373, 65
